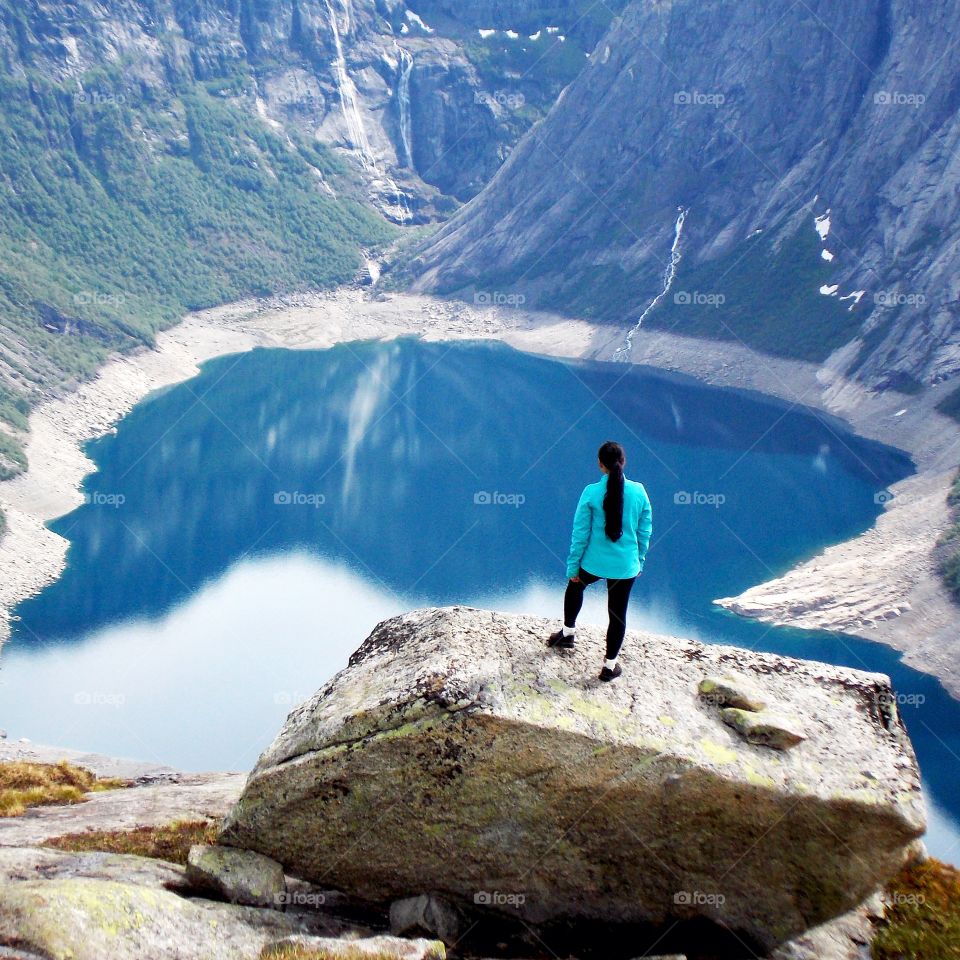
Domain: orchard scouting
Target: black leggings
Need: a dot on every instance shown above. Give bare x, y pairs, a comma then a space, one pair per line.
618, 596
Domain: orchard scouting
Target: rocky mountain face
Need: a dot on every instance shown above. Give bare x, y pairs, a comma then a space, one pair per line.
737, 170
158, 156
708, 790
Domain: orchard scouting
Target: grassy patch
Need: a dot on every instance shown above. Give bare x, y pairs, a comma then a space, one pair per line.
13, 460
294, 952
171, 842
24, 785
949, 545
922, 921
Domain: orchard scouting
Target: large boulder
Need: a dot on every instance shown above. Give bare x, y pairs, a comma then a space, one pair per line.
238, 876
457, 755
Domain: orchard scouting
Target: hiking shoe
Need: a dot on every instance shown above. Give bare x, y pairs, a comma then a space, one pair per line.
560, 641
606, 675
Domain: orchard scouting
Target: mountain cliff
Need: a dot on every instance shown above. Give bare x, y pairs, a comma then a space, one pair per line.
783, 177
164, 155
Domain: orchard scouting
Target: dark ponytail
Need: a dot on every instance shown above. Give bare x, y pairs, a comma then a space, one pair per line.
611, 455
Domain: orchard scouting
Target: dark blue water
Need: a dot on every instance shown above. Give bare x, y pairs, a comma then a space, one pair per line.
246, 529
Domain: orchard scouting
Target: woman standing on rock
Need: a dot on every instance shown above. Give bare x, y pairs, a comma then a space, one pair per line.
611, 535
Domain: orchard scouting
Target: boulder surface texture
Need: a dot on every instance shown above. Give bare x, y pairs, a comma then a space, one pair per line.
457, 755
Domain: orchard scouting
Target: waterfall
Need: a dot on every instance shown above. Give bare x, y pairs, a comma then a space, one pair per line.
403, 99
356, 129
669, 275
349, 98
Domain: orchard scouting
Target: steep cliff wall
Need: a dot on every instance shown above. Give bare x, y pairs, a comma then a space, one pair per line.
811, 150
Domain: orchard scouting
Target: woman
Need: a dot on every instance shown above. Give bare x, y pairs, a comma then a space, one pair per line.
611, 535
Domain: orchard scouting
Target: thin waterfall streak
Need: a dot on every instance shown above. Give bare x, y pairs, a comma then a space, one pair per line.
669, 275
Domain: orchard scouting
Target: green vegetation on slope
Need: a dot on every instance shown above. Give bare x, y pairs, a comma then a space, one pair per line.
12, 458
949, 547
950, 404
922, 919
768, 300
124, 206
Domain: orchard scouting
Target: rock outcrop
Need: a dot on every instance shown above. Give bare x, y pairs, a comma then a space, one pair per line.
100, 906
457, 756
237, 876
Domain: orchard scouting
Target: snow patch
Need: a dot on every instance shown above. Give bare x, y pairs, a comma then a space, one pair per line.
486, 34
830, 290
513, 35
827, 255
823, 225
553, 29
537, 35
417, 22
856, 297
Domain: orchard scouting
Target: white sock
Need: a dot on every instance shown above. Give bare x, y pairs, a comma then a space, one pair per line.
568, 631
610, 664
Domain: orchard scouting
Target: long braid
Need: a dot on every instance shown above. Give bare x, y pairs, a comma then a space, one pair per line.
611, 455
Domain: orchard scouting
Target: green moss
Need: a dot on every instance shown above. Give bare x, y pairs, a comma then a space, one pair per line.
758, 779
718, 753
922, 919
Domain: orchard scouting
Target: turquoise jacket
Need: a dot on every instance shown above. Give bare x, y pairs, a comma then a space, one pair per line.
592, 549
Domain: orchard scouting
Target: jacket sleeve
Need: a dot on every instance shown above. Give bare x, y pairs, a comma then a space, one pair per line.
581, 534
644, 528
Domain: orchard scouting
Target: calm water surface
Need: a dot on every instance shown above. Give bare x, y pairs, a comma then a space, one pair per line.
246, 530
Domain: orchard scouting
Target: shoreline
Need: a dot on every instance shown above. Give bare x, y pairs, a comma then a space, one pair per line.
880, 586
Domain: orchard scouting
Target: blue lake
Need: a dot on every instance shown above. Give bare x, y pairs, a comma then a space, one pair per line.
245, 531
